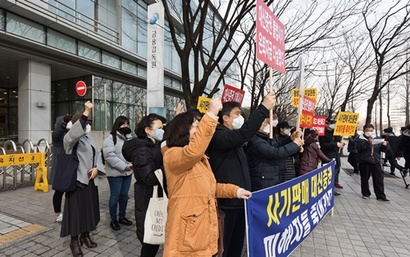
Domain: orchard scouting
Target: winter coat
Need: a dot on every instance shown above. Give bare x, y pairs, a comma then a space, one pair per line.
328, 145
404, 145
58, 147
115, 162
308, 160
267, 160
87, 152
351, 147
290, 172
227, 156
369, 153
192, 224
146, 157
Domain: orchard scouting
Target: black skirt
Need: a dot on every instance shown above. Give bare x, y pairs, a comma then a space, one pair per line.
81, 210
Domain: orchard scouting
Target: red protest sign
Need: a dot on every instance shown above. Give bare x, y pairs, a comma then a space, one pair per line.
319, 124
81, 88
270, 38
308, 111
232, 94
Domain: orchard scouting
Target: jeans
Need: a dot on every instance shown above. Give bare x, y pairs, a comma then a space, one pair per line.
119, 187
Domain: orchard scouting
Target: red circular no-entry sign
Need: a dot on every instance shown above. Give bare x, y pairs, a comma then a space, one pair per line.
81, 88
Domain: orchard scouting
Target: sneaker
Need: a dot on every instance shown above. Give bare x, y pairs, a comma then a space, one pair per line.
114, 225
59, 218
392, 173
338, 186
336, 193
125, 221
365, 197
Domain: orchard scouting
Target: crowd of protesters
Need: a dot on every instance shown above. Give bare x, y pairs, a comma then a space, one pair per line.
218, 157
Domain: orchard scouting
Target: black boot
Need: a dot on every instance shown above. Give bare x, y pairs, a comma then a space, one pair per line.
85, 239
75, 247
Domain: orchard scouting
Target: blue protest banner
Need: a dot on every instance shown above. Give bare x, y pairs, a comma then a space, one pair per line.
279, 218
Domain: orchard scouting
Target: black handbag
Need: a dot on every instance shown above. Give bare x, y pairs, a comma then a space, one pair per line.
65, 179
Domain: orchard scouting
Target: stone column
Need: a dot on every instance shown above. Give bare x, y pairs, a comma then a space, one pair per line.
34, 101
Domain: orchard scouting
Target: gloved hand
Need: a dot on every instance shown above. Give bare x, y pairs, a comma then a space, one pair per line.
66, 119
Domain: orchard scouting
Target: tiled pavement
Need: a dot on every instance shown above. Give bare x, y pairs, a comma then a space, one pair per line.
358, 227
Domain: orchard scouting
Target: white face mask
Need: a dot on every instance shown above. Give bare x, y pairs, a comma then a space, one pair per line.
87, 129
287, 132
332, 126
158, 134
238, 122
266, 129
69, 125
370, 134
274, 123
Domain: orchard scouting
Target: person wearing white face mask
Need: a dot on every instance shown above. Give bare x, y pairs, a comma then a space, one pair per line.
331, 146
267, 158
145, 155
369, 162
81, 208
229, 164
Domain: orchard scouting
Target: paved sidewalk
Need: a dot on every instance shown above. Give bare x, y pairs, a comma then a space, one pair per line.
358, 227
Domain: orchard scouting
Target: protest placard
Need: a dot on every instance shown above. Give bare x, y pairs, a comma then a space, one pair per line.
346, 124
203, 104
232, 94
311, 92
307, 113
270, 38
319, 124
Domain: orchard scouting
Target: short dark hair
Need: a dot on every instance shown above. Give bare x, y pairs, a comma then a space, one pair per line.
227, 107
119, 121
177, 131
368, 126
146, 122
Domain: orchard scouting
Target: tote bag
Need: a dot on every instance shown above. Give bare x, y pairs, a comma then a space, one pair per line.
65, 179
156, 216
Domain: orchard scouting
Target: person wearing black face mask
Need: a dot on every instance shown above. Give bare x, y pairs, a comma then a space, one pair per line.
119, 171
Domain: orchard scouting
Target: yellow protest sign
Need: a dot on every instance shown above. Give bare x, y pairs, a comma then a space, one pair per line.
346, 123
311, 92
203, 104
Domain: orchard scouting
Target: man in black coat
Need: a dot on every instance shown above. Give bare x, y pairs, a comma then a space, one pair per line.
229, 164
331, 146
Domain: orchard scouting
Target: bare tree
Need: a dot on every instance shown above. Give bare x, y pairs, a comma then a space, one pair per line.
209, 31
307, 32
388, 36
207, 37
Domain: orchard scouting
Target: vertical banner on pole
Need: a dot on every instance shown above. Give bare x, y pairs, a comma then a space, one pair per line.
301, 85
155, 56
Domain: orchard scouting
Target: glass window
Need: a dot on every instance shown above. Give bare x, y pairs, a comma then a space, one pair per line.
61, 41
107, 18
129, 25
88, 51
142, 29
129, 66
2, 23
167, 81
121, 99
64, 8
111, 59
85, 13
142, 71
25, 28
